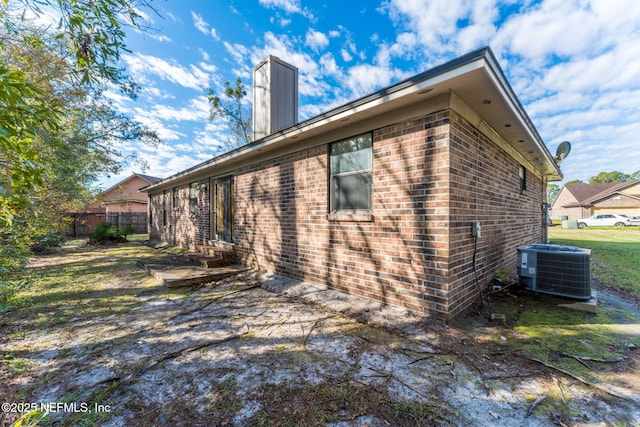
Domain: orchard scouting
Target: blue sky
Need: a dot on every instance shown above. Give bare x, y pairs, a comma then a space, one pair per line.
575, 65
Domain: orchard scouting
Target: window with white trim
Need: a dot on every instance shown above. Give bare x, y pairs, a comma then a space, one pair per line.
351, 174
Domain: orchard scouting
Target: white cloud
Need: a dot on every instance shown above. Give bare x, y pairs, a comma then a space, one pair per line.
481, 28
437, 24
155, 36
237, 51
117, 98
209, 141
316, 40
569, 28
284, 22
165, 163
404, 46
196, 110
153, 94
173, 17
203, 26
289, 6
559, 30
165, 131
346, 57
364, 79
329, 66
200, 145
141, 65
601, 148
46, 16
617, 69
209, 68
200, 24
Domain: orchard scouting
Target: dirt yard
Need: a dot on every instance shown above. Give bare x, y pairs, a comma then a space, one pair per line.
101, 343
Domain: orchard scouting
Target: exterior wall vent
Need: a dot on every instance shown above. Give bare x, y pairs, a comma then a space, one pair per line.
275, 97
557, 270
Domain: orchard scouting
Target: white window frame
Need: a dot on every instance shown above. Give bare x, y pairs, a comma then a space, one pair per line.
334, 176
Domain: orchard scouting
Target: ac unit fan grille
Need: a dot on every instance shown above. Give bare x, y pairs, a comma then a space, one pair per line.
564, 274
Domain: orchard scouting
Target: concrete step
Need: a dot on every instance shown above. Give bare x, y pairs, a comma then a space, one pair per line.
212, 257
215, 250
220, 244
173, 273
208, 261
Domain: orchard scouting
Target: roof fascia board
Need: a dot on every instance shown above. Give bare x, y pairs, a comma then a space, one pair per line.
632, 196
614, 189
119, 184
120, 201
615, 193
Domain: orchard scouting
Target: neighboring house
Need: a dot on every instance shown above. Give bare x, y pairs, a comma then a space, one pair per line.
377, 197
575, 201
124, 196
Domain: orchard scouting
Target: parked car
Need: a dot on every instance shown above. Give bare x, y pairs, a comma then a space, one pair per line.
600, 220
549, 221
635, 220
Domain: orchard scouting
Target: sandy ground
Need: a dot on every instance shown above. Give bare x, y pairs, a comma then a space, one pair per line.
254, 349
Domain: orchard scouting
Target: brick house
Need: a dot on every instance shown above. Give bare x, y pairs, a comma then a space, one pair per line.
377, 197
124, 196
577, 201
122, 205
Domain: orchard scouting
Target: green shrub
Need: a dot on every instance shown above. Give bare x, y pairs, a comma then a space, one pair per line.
14, 254
46, 239
108, 233
127, 231
9, 290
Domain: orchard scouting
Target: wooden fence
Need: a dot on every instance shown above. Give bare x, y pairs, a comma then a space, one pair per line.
135, 220
82, 224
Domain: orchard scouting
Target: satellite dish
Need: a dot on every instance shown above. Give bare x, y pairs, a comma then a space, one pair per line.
562, 151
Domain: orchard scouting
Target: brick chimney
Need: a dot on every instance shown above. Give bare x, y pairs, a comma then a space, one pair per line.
275, 96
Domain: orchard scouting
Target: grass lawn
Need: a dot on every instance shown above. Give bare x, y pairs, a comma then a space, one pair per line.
615, 253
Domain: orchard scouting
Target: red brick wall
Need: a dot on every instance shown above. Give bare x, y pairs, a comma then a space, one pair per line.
183, 228
432, 178
485, 187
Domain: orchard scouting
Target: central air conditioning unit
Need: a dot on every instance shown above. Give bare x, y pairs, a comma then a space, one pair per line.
557, 270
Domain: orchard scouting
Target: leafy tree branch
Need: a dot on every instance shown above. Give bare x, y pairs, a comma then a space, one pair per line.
231, 109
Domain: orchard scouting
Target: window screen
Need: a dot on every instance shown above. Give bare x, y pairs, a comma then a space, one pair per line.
351, 181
